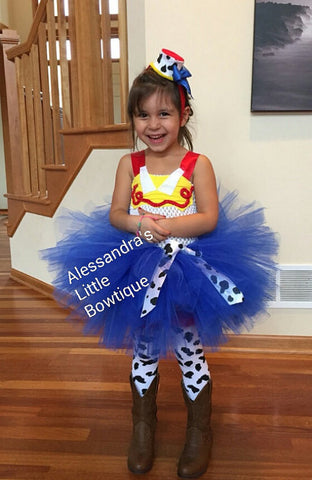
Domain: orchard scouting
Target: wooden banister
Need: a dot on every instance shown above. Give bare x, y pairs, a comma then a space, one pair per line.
59, 94
10, 117
123, 63
25, 47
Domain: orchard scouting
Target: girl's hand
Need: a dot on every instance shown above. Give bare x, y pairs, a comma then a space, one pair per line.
150, 230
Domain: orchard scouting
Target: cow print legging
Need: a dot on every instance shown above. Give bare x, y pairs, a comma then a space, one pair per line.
190, 355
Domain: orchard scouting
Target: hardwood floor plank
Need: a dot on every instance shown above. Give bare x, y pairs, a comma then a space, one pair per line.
31, 432
63, 385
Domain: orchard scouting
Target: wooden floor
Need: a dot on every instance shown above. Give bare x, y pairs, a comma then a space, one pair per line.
65, 403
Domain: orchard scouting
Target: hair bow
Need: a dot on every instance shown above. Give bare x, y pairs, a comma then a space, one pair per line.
180, 77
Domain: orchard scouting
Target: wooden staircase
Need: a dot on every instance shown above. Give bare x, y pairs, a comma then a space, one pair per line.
59, 100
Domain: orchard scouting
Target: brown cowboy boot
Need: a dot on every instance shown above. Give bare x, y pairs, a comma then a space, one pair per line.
195, 457
141, 449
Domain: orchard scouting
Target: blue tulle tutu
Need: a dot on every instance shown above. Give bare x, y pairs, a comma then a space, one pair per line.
102, 274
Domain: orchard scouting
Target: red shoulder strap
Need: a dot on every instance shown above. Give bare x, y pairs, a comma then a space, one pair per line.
188, 164
138, 161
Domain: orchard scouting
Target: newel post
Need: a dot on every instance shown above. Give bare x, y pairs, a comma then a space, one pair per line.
10, 115
86, 64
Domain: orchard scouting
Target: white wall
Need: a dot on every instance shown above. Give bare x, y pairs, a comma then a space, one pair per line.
17, 15
4, 12
265, 157
20, 17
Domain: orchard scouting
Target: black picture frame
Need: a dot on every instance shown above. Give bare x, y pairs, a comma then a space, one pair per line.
282, 56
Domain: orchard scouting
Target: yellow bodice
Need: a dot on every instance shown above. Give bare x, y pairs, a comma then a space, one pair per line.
161, 190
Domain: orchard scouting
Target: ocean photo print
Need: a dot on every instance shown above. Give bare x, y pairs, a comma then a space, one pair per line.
282, 56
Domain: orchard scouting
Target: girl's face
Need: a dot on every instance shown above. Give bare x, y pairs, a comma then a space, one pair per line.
157, 123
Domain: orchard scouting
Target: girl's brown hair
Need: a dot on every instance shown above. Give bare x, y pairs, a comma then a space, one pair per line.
149, 82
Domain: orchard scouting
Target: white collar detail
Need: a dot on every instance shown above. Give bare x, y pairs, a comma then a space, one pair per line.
166, 187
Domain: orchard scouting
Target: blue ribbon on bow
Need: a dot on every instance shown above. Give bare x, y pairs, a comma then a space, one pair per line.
180, 77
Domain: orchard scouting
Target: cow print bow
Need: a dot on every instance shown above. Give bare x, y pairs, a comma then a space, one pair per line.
224, 285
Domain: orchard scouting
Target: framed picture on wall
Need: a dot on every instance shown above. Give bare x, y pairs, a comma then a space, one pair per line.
282, 56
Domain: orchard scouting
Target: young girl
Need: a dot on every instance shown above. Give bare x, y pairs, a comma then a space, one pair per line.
167, 268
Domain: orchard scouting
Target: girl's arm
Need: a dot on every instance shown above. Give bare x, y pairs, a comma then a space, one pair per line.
206, 218
119, 216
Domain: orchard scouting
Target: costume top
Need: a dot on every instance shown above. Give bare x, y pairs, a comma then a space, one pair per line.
169, 195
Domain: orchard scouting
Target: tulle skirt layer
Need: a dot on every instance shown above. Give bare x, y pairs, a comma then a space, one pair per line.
102, 274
